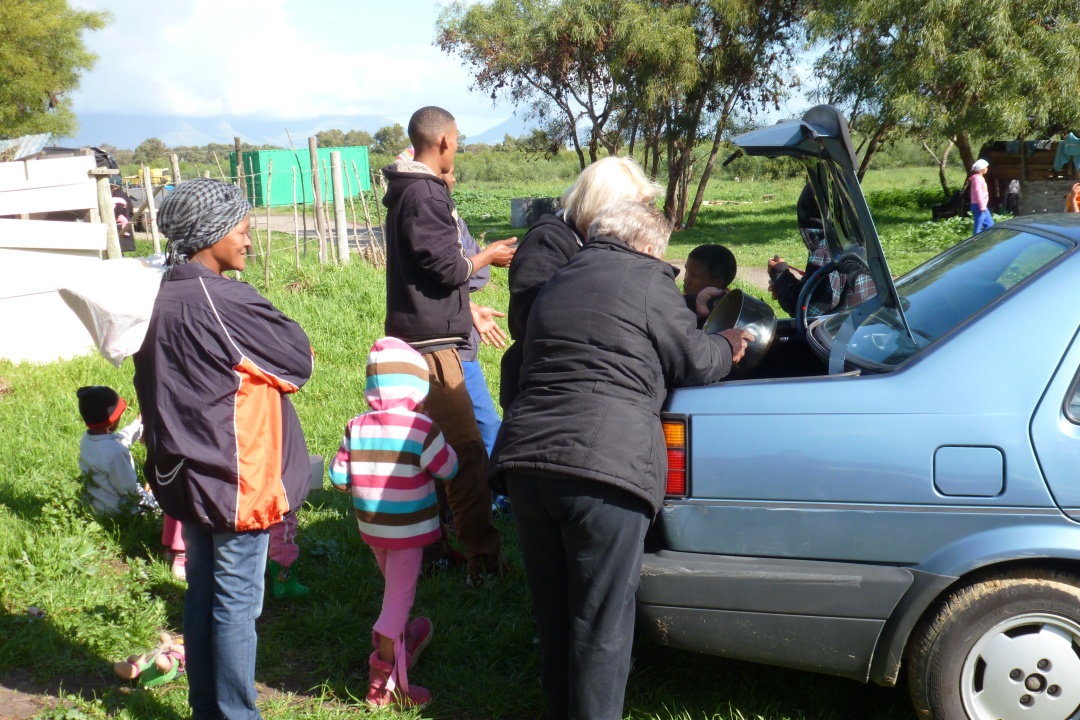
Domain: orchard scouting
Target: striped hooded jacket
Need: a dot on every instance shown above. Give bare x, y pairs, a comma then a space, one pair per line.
390, 455
224, 447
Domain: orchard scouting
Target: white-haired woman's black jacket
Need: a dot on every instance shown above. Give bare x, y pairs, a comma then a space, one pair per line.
607, 337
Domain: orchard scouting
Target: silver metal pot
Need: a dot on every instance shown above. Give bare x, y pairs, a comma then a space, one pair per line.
742, 312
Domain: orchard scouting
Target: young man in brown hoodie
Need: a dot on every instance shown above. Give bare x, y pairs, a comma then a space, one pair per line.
427, 306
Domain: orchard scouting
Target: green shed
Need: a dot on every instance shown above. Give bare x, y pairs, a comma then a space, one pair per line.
256, 163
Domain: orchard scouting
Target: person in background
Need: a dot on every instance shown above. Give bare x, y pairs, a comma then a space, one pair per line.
581, 450
427, 306
841, 290
555, 238
707, 267
225, 454
123, 212
980, 196
389, 459
282, 555
1071, 203
112, 486
485, 330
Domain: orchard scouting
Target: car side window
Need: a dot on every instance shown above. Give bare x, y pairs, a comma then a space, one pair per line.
1072, 402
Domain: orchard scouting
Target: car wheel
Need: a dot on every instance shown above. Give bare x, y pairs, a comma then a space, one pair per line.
1001, 649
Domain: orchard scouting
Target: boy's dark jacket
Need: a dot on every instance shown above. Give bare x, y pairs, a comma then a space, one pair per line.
224, 448
427, 274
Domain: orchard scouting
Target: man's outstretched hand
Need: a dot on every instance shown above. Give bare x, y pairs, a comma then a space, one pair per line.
483, 319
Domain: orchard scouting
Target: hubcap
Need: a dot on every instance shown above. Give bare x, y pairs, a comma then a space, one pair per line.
1026, 667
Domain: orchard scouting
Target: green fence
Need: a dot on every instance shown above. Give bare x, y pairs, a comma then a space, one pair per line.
256, 163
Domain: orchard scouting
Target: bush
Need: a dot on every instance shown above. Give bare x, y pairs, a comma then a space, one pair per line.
916, 198
927, 236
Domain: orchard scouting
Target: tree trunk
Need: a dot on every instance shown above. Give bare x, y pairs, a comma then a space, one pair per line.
633, 137
871, 148
941, 170
721, 125
577, 143
963, 144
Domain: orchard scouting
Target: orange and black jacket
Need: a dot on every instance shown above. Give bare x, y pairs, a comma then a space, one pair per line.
224, 447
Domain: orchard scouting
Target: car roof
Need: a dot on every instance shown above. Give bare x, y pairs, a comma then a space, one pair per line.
1064, 224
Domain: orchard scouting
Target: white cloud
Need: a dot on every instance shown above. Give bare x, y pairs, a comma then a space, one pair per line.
276, 59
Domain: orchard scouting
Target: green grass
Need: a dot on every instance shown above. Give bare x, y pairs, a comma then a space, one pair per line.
108, 591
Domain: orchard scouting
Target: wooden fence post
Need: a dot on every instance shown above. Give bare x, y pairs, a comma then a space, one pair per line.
269, 232
313, 149
326, 214
151, 208
341, 225
239, 179
352, 212
174, 165
373, 243
378, 205
295, 220
105, 210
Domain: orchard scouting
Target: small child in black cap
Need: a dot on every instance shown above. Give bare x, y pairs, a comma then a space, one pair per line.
105, 456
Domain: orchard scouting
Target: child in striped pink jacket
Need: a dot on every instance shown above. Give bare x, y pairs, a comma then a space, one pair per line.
389, 459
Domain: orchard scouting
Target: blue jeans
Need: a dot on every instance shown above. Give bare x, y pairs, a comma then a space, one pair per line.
224, 596
486, 415
983, 219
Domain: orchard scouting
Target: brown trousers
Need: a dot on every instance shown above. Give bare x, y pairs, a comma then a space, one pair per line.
449, 405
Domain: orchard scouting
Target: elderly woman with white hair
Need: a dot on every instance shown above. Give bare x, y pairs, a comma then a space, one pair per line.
581, 450
555, 238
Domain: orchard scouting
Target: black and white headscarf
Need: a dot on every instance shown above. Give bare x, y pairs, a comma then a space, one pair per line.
197, 214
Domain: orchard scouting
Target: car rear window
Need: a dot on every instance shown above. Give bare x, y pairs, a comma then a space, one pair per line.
944, 292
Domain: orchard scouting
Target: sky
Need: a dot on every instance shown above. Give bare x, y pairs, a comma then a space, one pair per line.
270, 59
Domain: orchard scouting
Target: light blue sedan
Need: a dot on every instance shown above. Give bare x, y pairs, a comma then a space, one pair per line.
899, 489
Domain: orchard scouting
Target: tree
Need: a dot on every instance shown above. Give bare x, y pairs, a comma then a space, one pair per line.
390, 140
570, 61
745, 51
357, 138
151, 152
995, 69
637, 73
330, 138
42, 57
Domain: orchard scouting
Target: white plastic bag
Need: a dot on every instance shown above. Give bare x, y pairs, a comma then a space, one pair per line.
115, 303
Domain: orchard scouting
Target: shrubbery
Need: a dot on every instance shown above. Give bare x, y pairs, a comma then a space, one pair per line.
908, 198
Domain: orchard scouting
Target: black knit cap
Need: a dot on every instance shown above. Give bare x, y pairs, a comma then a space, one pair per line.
99, 406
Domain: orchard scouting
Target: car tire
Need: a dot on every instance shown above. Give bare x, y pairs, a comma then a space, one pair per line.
1002, 648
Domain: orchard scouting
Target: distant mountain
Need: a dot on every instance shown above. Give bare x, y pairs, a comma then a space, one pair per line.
515, 126
127, 131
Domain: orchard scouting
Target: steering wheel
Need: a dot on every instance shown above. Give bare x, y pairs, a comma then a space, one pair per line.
851, 257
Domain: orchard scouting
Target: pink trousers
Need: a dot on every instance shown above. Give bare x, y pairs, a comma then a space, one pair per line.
283, 547
401, 570
171, 536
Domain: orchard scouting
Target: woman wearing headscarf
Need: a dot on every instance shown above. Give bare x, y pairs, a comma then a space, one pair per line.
224, 450
555, 238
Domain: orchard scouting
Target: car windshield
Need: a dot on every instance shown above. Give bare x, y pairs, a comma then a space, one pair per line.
941, 294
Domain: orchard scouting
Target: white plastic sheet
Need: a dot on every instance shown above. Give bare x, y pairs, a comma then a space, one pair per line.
115, 303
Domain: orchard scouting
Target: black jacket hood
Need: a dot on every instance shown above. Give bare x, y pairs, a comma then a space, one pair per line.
400, 174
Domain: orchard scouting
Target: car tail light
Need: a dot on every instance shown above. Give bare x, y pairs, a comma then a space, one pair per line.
675, 440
